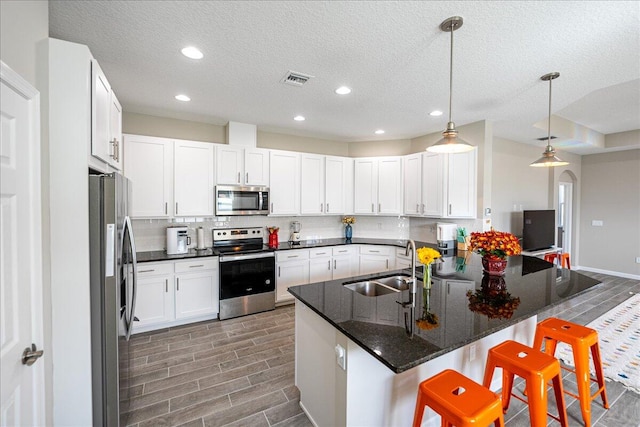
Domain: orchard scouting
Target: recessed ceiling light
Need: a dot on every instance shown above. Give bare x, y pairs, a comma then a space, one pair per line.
379, 132
435, 113
299, 118
343, 90
192, 52
183, 98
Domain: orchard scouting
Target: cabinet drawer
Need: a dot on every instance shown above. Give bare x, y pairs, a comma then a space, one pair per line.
345, 250
292, 255
376, 250
197, 265
148, 269
320, 252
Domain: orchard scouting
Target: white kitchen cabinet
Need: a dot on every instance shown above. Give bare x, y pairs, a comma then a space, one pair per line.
412, 166
345, 262
320, 269
376, 259
292, 269
155, 296
449, 184
242, 166
378, 186
105, 108
193, 178
148, 164
323, 184
197, 292
284, 179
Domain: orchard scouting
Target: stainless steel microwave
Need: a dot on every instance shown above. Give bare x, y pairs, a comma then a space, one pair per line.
237, 200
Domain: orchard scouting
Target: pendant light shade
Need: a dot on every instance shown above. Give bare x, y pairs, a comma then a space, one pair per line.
450, 143
549, 158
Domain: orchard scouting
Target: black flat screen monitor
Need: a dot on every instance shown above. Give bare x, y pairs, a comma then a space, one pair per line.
538, 231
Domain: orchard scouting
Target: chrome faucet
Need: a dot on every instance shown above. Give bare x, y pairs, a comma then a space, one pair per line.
409, 318
411, 247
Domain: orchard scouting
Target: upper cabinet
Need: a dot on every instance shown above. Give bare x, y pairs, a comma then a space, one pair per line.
106, 120
242, 166
193, 178
170, 177
378, 186
284, 179
324, 184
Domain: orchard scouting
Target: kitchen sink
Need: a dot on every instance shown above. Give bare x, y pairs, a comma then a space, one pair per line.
370, 288
396, 282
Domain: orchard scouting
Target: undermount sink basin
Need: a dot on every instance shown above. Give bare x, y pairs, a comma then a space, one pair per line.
396, 282
370, 288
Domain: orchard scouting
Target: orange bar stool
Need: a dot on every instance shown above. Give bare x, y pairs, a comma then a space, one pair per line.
550, 257
566, 260
581, 339
459, 401
537, 369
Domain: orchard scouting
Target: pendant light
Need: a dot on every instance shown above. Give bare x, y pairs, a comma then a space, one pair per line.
450, 143
549, 158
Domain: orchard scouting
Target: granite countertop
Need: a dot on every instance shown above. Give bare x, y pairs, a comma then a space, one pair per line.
377, 324
154, 256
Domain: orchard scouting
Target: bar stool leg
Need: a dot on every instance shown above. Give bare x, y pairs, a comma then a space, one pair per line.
583, 377
536, 394
559, 393
507, 386
597, 361
419, 412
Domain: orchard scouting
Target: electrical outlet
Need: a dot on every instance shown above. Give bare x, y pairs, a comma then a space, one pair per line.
597, 223
472, 352
638, 260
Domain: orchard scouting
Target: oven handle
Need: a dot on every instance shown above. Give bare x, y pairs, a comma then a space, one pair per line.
227, 258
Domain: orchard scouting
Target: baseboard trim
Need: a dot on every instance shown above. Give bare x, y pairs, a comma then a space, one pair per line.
612, 273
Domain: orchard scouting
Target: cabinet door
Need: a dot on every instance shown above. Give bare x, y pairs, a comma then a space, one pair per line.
335, 186
461, 188
149, 165
345, 266
154, 301
193, 183
197, 294
390, 186
115, 132
229, 165
100, 100
311, 184
320, 270
284, 178
413, 184
290, 273
365, 186
373, 264
256, 166
433, 188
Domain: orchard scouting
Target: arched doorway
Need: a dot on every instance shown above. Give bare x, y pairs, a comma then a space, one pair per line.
565, 211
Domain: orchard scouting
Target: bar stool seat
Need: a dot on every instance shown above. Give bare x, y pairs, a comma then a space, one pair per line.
581, 339
537, 369
565, 259
459, 400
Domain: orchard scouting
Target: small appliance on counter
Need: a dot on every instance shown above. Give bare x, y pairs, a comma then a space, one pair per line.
177, 240
295, 233
446, 235
200, 239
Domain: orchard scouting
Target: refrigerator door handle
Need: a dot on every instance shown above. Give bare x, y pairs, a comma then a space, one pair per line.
131, 301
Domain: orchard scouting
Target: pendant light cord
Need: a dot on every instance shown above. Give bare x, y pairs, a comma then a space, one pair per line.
549, 126
451, 72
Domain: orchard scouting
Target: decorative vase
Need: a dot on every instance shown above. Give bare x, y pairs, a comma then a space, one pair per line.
273, 240
494, 266
348, 232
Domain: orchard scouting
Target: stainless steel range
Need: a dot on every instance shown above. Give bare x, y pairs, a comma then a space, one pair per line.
247, 272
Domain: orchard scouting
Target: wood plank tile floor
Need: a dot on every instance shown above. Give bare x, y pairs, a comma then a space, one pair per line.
240, 372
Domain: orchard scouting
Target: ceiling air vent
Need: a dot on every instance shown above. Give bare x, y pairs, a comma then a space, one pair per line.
294, 78
544, 138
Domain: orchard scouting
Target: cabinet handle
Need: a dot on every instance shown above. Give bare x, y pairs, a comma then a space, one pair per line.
271, 207
177, 284
292, 256
321, 207
387, 264
342, 251
146, 271
246, 179
196, 266
329, 265
176, 208
379, 207
321, 253
278, 271
166, 207
238, 177
334, 264
166, 285
327, 207
373, 209
117, 150
417, 208
449, 208
423, 208
376, 252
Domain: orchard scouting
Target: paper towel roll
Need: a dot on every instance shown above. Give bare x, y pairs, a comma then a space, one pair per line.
200, 235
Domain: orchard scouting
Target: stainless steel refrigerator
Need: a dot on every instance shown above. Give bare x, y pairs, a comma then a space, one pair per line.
113, 295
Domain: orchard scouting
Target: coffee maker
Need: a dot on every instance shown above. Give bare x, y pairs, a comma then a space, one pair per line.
177, 240
446, 235
295, 233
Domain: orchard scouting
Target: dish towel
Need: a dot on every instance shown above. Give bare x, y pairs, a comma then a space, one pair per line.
619, 337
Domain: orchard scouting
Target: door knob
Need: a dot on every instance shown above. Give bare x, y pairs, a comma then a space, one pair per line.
30, 355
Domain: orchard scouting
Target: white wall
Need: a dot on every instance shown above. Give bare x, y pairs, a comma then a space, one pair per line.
610, 193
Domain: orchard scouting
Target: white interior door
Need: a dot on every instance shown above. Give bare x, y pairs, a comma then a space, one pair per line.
22, 386
565, 198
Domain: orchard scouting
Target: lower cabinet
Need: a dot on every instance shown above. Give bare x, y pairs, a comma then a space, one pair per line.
292, 269
171, 293
376, 259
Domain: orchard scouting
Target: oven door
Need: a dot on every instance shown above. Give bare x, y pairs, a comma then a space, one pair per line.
243, 275
235, 200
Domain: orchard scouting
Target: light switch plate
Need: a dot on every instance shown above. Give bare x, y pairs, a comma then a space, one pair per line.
341, 357
597, 223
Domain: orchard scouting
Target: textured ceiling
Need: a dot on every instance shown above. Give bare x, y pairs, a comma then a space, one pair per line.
392, 54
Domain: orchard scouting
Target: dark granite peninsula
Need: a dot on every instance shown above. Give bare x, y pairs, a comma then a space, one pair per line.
336, 325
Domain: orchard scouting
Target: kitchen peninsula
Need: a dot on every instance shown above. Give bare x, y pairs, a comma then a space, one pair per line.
355, 363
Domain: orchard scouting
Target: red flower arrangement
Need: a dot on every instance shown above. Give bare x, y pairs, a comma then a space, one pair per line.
492, 299
495, 244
